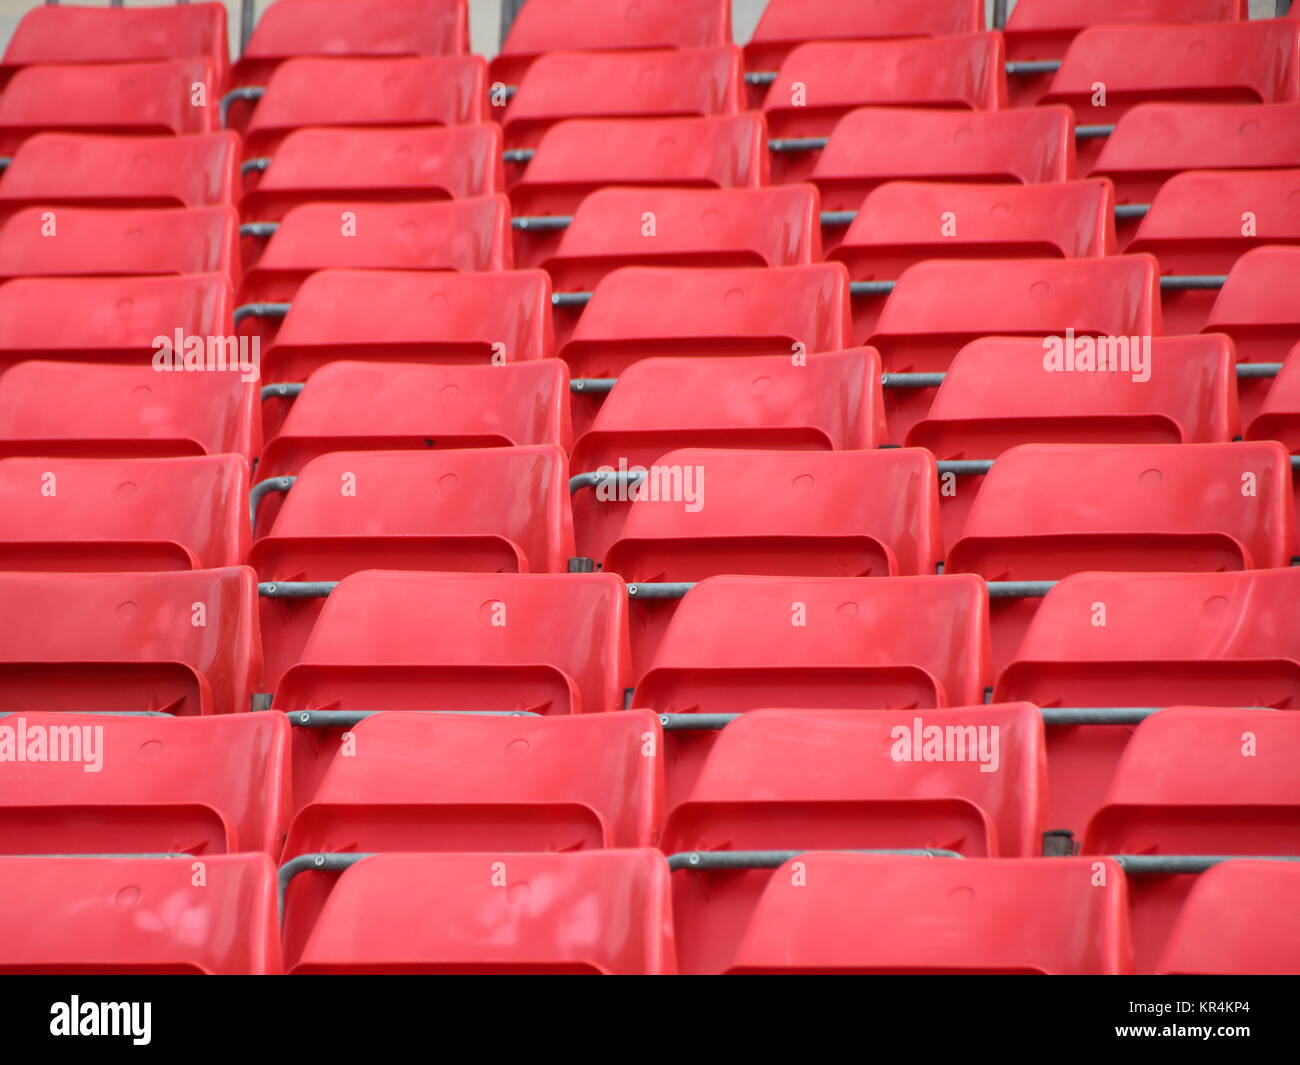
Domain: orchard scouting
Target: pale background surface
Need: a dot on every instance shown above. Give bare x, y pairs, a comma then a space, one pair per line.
485, 16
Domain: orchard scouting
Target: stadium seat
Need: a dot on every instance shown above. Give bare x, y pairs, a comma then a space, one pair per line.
144, 99
134, 320
1279, 415
595, 25
93, 515
831, 402
83, 410
412, 316
353, 93
184, 644
51, 33
1237, 919
552, 644
1197, 781
358, 406
654, 84
606, 912
71, 170
873, 145
376, 165
132, 916
290, 28
819, 83
701, 512
159, 240
1201, 222
741, 643
788, 23
147, 785
861, 913
1153, 142
466, 235
938, 307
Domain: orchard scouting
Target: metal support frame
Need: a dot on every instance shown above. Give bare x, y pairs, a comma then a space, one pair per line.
264, 488
247, 16
261, 230
727, 861
1000, 13
260, 310
251, 93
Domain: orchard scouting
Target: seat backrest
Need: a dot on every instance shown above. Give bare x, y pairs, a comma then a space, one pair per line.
1046, 510
146, 785
84, 410
587, 25
79, 170
354, 406
862, 913
1043, 29
1279, 417
123, 915
703, 512
179, 643
835, 643
601, 912
482, 510
1257, 305
1161, 639
873, 145
123, 514
639, 312
456, 641
159, 240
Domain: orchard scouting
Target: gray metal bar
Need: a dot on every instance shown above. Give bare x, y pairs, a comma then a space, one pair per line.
1248, 370
999, 13
296, 589
509, 12
252, 93
911, 380
838, 219
1192, 282
351, 718
329, 863
965, 467
285, 390
661, 590
760, 78
1029, 67
96, 854
260, 310
258, 229
1282, 7
106, 713
570, 299
518, 155
797, 144
695, 722
1096, 715
5, 160
711, 861
247, 16
596, 477
1172, 864
871, 288
1087, 133
593, 386
1131, 210
262, 488
1019, 589
249, 165
542, 222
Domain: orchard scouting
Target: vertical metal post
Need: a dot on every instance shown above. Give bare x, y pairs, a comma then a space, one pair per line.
999, 14
247, 16
1283, 7
509, 11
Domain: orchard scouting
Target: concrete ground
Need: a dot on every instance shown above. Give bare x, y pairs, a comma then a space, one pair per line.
485, 17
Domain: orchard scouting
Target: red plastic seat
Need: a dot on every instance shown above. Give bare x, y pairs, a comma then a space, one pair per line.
831, 402
938, 307
356, 406
1168, 639
819, 83
142, 99
292, 28
1279, 416
596, 25
606, 912
862, 913
118, 319
123, 514
1201, 222
649, 84
1153, 142
83, 410
171, 240
179, 643
66, 169
781, 513
873, 145
58, 34
580, 156
1203, 781
464, 235
410, 91
412, 316
553, 644
736, 643
638, 312
376, 165
148, 785
787, 23
1238, 919
163, 916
